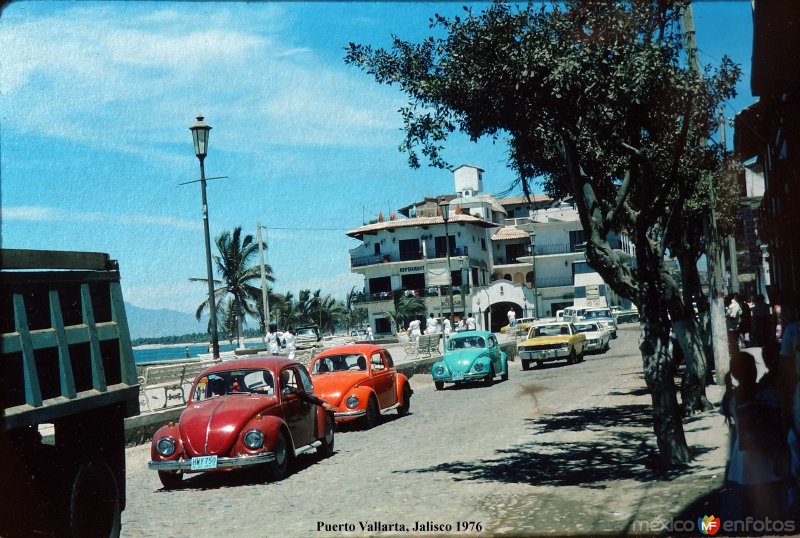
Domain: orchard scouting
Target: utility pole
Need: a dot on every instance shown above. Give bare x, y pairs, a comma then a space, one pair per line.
719, 332
732, 256
264, 294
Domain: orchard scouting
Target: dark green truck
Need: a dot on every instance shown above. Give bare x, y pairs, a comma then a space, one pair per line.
66, 368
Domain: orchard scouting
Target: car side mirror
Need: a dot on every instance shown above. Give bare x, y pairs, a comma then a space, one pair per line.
288, 390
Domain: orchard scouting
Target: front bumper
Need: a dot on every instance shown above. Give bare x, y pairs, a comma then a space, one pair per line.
593, 345
347, 415
449, 377
544, 354
222, 463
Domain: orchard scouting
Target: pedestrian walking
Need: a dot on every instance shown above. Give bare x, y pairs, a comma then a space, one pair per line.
472, 324
512, 318
462, 325
273, 339
733, 317
432, 325
756, 480
289, 341
369, 333
760, 326
447, 327
414, 329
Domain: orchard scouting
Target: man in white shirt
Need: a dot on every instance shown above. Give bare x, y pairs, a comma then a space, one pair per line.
472, 323
414, 329
289, 342
447, 328
512, 318
432, 325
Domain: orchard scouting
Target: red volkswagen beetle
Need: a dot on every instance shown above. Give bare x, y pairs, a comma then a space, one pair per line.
361, 382
242, 413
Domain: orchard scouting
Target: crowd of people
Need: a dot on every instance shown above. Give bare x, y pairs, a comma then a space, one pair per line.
433, 326
762, 411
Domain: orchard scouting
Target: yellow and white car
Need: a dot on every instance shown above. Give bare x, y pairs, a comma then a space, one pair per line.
523, 324
551, 342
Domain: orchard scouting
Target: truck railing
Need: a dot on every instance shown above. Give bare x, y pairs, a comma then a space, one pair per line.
45, 351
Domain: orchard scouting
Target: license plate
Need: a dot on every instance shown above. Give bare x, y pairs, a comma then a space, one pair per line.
204, 462
458, 376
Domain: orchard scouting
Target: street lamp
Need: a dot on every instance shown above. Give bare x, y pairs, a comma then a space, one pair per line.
444, 205
533, 275
200, 132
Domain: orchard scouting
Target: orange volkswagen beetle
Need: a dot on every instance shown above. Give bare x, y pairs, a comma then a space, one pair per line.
361, 382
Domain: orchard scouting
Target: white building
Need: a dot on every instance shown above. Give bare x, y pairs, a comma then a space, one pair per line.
491, 266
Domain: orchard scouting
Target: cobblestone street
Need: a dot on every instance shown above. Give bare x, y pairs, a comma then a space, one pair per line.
557, 450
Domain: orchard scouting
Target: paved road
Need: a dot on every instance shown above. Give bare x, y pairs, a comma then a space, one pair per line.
532, 455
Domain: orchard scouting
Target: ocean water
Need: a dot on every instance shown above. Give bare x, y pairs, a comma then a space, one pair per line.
167, 353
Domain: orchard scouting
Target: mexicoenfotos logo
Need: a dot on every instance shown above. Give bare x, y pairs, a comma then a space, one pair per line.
708, 524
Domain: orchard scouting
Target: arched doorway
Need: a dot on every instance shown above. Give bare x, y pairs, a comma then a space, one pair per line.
500, 314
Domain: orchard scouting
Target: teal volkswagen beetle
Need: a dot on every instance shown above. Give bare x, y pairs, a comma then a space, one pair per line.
470, 356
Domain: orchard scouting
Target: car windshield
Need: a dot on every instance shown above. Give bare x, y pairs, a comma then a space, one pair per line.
306, 332
550, 330
242, 381
594, 314
339, 363
586, 327
466, 342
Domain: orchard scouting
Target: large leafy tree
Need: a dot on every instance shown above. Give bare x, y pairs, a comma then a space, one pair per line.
595, 100
234, 262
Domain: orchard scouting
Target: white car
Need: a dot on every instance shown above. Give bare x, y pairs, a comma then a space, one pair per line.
598, 337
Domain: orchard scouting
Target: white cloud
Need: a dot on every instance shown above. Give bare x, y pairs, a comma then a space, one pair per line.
110, 75
44, 214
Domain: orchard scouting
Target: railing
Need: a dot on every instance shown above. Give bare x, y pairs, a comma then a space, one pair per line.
375, 259
432, 291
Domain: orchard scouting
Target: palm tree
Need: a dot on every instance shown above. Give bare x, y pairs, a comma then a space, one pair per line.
234, 264
406, 308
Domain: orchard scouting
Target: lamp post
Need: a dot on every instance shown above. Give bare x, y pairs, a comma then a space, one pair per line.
200, 132
533, 275
444, 205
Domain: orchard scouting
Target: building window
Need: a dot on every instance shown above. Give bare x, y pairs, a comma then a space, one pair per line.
377, 248
483, 243
377, 285
409, 249
577, 240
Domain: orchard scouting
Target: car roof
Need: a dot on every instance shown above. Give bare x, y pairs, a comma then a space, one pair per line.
470, 333
260, 361
365, 349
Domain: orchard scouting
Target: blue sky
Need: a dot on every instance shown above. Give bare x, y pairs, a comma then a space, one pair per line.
97, 99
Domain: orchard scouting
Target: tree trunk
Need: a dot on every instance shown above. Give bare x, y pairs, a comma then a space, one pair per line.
693, 383
659, 372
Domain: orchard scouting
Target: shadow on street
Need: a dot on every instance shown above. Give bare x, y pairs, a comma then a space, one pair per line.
622, 448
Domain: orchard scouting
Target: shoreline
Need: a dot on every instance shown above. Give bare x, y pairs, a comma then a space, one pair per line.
158, 346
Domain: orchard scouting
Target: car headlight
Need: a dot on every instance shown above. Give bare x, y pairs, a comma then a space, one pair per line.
563, 346
439, 370
254, 439
166, 446
352, 402
478, 367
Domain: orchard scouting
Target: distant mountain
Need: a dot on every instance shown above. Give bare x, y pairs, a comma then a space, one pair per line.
146, 323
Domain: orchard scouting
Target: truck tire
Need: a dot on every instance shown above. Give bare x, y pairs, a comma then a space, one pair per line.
94, 503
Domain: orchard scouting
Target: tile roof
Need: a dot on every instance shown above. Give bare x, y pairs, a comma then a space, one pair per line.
416, 222
509, 233
523, 200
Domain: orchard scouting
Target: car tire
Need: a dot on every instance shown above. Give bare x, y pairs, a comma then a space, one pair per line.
526, 365
278, 470
614, 335
403, 408
504, 376
94, 503
539, 364
607, 346
325, 450
439, 385
571, 358
371, 418
488, 381
169, 479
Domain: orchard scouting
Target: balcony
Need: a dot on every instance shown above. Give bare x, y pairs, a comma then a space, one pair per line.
375, 259
383, 296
